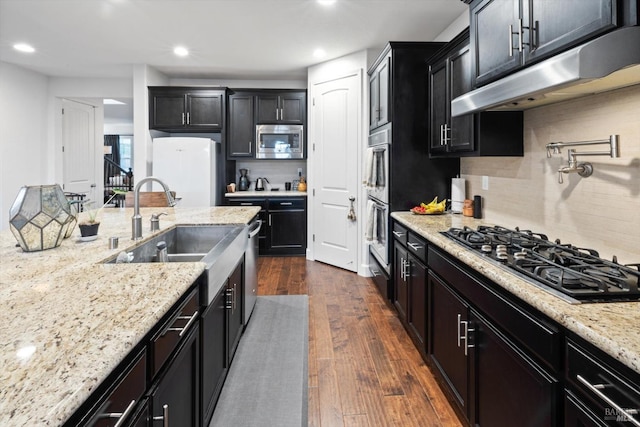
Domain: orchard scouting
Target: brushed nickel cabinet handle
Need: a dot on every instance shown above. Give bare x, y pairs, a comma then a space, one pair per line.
595, 388
122, 416
164, 417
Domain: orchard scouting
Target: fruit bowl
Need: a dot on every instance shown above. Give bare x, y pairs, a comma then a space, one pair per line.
418, 212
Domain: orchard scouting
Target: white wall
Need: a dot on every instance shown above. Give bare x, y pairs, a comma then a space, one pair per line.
460, 23
23, 133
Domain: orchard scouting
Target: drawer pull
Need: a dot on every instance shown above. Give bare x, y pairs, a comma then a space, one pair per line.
191, 318
399, 234
627, 413
415, 246
246, 204
164, 417
122, 416
286, 203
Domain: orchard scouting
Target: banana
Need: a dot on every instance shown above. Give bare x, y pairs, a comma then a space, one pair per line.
431, 204
437, 207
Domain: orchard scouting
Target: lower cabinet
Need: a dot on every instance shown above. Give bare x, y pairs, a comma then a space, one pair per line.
214, 353
492, 378
410, 291
284, 223
175, 397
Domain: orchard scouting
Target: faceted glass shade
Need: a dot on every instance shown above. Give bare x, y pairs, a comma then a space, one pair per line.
40, 217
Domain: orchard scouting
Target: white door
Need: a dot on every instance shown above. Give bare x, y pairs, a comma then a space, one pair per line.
336, 137
78, 144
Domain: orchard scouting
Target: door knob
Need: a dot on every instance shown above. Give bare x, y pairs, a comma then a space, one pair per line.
352, 213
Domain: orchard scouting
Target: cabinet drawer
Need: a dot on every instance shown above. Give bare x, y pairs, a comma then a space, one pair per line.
400, 233
602, 386
172, 332
286, 204
417, 246
248, 202
121, 403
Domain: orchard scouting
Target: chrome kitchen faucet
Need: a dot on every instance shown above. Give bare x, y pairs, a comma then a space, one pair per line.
136, 219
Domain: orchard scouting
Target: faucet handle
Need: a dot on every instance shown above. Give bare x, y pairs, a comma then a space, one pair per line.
155, 221
157, 216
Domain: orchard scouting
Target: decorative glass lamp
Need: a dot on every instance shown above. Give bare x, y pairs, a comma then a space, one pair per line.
40, 217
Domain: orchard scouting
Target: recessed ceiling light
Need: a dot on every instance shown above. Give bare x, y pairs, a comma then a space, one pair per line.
109, 101
181, 51
24, 47
326, 2
319, 53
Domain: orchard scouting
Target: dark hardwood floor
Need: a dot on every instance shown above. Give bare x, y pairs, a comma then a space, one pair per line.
363, 367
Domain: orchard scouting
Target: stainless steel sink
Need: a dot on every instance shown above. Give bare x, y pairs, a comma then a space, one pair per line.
220, 247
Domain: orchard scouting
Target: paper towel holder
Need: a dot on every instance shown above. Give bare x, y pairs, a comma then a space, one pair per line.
457, 194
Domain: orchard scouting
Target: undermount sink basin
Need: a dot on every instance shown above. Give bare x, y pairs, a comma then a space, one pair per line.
220, 247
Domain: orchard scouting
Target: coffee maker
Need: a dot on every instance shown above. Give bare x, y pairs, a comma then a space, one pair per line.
243, 183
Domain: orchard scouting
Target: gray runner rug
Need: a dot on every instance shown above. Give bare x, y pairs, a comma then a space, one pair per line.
267, 383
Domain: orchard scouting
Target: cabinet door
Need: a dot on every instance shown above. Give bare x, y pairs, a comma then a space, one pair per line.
561, 24
204, 110
510, 389
268, 109
401, 280
177, 391
577, 415
287, 231
167, 111
234, 310
292, 107
439, 106
496, 49
461, 136
379, 95
213, 353
242, 129
418, 303
447, 351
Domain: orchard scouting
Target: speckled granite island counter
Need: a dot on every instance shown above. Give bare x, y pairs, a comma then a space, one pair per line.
613, 327
68, 319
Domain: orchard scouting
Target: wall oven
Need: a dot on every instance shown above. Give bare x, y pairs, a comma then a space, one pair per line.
279, 141
376, 181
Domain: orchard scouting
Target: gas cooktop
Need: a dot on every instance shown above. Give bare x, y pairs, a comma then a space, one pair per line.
577, 275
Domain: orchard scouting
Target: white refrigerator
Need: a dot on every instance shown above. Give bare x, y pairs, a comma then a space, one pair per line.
190, 166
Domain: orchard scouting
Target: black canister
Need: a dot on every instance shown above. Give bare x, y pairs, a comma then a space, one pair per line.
477, 207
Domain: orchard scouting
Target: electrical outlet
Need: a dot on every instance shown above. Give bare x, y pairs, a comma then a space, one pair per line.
299, 171
485, 182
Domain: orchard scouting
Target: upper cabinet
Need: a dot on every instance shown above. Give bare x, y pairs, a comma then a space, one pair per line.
281, 107
509, 34
248, 108
241, 130
379, 94
186, 109
481, 134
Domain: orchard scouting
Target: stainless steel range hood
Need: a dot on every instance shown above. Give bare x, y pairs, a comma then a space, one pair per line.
609, 62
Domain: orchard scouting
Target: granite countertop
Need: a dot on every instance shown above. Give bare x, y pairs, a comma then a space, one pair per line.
68, 320
279, 193
613, 327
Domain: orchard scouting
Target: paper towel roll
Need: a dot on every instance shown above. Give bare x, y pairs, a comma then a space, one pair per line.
457, 194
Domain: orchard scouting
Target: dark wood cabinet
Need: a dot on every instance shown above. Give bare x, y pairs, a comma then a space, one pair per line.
284, 223
281, 107
508, 34
235, 292
599, 390
480, 134
287, 226
248, 108
186, 109
447, 314
379, 94
410, 279
498, 362
176, 393
241, 130
213, 353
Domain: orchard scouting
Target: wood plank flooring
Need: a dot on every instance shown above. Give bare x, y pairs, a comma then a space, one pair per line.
363, 367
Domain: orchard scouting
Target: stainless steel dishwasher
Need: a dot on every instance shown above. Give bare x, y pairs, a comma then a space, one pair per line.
251, 270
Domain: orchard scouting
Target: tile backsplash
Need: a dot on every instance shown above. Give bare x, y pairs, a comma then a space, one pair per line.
601, 211
276, 171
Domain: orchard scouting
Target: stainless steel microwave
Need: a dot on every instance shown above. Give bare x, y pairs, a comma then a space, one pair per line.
279, 141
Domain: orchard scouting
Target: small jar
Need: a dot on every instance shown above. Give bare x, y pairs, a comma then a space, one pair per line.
467, 207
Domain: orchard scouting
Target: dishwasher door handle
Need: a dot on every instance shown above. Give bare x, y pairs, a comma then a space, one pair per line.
255, 228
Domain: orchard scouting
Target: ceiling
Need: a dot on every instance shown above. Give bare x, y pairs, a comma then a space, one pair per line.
227, 39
